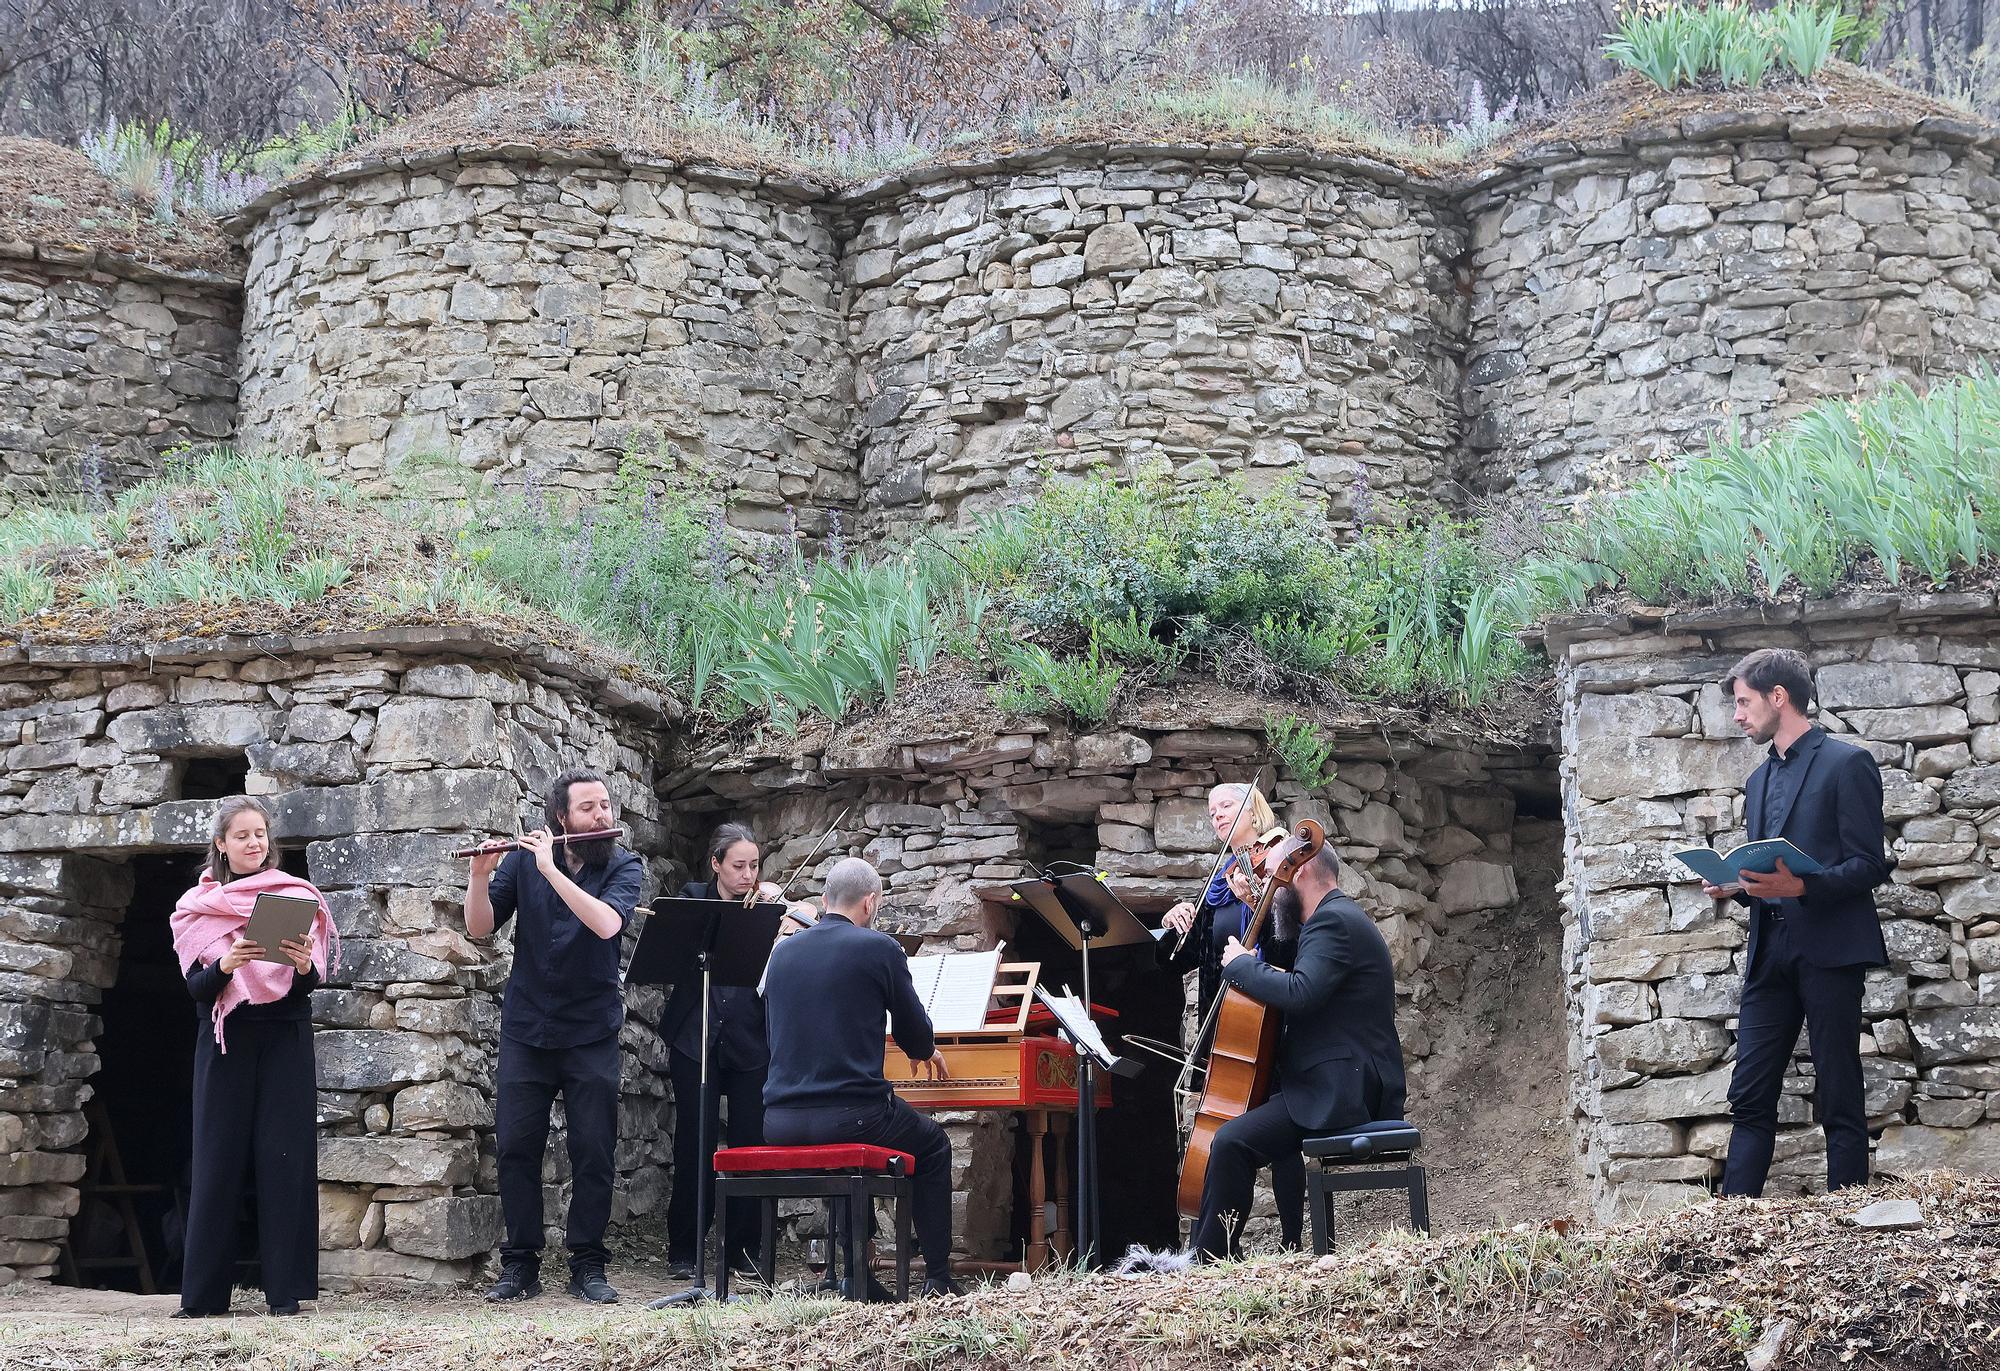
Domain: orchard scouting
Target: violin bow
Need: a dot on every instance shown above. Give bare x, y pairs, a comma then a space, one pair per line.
813, 855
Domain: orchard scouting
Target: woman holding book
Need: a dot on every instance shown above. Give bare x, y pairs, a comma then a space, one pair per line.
738, 1055
255, 1097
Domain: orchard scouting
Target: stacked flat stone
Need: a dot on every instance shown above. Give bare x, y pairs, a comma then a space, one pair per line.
527, 316
1634, 294
1653, 761
380, 753
1217, 313
104, 365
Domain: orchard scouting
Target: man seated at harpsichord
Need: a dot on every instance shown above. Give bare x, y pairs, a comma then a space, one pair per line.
826, 994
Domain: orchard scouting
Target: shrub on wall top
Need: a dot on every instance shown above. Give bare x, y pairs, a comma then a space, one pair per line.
1728, 45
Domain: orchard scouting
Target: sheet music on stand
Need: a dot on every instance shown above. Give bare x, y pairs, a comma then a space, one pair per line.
956, 987
1075, 1018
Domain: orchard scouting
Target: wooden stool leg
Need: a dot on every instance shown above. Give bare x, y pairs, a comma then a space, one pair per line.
1319, 1201
1420, 1201
857, 1242
722, 1240
767, 1241
903, 1240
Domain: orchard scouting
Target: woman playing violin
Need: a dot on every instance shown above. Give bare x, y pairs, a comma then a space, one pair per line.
1239, 813
739, 1056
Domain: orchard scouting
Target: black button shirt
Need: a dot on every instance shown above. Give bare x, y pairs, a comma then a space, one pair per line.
565, 989
1787, 773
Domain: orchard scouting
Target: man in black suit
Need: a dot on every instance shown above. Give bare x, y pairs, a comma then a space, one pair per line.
1340, 1064
1812, 937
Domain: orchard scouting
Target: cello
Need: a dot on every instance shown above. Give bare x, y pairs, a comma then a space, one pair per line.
1244, 1050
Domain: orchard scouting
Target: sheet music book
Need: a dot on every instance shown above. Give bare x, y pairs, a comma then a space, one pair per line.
1726, 869
1076, 1020
956, 987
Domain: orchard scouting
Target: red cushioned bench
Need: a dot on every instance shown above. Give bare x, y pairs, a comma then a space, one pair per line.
850, 1176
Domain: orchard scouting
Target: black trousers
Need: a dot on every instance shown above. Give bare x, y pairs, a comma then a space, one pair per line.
529, 1079
1783, 991
1264, 1136
745, 1093
891, 1123
255, 1119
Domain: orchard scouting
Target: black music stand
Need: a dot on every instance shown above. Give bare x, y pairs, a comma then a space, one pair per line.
726, 944
1086, 915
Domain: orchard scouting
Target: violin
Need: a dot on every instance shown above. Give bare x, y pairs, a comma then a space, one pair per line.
1243, 1055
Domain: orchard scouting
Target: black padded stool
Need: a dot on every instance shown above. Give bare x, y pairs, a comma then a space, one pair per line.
1375, 1156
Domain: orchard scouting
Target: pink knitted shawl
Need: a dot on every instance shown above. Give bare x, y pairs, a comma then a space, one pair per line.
212, 916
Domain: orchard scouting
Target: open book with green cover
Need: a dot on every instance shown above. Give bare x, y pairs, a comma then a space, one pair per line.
1726, 868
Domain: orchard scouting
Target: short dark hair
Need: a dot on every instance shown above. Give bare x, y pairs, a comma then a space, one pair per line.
1770, 667
555, 806
1327, 860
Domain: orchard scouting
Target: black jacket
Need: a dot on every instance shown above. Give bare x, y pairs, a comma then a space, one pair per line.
1835, 817
737, 1025
1339, 1057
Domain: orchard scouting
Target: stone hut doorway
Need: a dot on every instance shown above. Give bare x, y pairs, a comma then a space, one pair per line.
1136, 1135
127, 1233
133, 1200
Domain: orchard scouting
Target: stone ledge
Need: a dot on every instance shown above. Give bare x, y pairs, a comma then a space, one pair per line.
1560, 634
627, 696
800, 187
117, 264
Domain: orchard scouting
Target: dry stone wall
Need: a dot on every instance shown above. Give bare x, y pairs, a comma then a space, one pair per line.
533, 319
1095, 308
1633, 295
1426, 834
379, 753
1653, 760
932, 346
104, 365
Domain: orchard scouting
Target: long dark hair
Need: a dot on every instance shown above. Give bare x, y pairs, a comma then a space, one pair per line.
217, 862
727, 836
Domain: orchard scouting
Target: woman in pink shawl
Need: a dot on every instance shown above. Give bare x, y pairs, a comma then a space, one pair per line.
255, 1097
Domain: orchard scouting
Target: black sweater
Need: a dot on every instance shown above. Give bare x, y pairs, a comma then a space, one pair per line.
826, 995
205, 982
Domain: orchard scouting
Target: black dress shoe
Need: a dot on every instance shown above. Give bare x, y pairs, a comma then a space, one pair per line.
876, 1292
283, 1311
680, 1269
938, 1286
588, 1283
189, 1314
518, 1281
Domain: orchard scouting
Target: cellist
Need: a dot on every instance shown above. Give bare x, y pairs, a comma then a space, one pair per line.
1339, 1063
1239, 814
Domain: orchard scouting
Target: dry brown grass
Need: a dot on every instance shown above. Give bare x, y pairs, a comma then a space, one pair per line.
612, 113
52, 196
1691, 1291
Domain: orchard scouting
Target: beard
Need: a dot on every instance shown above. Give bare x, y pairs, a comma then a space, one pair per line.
596, 852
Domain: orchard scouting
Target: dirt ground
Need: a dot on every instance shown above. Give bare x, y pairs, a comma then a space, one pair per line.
1784, 1283
1492, 1098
